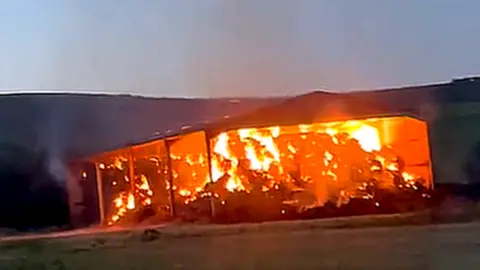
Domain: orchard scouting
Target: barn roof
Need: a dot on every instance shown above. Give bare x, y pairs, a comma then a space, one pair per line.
321, 106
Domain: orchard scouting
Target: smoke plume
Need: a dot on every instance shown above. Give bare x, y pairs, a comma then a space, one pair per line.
250, 48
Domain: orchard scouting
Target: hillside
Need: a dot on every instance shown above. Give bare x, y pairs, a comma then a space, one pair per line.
80, 124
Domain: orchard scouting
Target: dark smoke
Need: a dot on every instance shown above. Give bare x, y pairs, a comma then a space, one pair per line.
268, 47
247, 45
33, 177
216, 48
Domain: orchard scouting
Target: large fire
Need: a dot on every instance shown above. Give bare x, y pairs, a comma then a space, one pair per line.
309, 165
334, 161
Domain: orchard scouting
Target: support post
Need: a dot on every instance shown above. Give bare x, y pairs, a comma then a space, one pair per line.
131, 169
209, 166
101, 204
173, 210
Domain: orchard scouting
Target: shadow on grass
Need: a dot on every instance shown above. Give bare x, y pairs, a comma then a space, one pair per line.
24, 264
27, 246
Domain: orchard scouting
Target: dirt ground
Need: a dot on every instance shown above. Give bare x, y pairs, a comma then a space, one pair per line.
414, 247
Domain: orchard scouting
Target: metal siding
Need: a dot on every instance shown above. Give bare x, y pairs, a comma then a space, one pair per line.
453, 134
82, 195
75, 194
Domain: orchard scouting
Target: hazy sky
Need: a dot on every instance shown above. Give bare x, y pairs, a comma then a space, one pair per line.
235, 47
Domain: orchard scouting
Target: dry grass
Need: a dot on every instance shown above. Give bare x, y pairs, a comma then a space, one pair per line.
280, 245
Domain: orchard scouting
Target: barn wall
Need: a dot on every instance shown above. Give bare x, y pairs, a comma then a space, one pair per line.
454, 133
82, 194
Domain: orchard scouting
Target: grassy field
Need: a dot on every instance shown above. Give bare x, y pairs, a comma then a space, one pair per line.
285, 245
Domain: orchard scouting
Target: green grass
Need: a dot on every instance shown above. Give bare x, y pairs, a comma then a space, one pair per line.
361, 243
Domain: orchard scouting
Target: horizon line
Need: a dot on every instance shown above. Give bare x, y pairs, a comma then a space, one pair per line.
59, 91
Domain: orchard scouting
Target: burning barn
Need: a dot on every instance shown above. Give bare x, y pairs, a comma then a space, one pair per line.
316, 155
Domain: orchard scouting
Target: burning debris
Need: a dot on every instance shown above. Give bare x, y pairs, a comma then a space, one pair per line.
277, 173
126, 201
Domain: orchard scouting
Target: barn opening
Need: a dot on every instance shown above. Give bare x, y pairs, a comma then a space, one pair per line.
133, 183
352, 167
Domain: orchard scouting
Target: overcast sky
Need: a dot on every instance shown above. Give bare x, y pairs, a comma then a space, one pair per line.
235, 47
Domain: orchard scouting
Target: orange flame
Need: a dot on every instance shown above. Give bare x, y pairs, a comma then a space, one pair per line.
262, 153
127, 201
327, 160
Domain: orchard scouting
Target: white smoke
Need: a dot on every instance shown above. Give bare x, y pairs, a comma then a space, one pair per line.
52, 135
